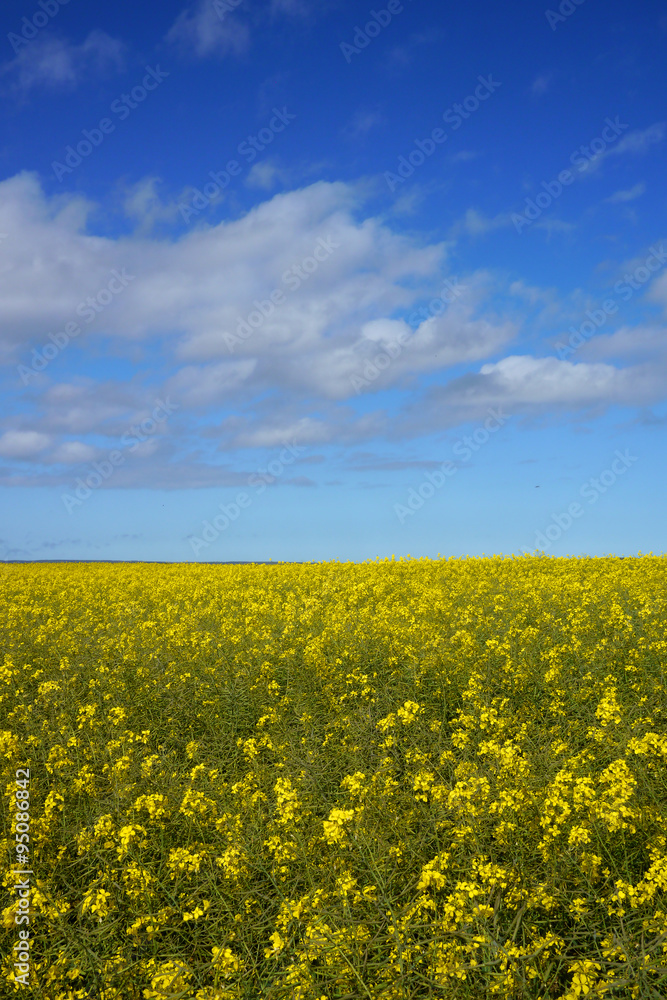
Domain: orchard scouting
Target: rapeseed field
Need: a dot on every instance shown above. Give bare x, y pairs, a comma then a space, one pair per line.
395, 779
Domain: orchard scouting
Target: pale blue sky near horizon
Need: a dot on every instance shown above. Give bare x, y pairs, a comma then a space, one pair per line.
296, 281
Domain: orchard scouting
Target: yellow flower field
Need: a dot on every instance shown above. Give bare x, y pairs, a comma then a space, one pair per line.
395, 779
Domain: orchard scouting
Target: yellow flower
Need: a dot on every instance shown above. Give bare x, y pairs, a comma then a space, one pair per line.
432, 875
96, 901
136, 880
578, 906
345, 884
226, 962
196, 804
155, 805
354, 783
584, 979
199, 911
183, 860
104, 829
278, 945
170, 980
334, 827
421, 784
129, 835
409, 712
287, 801
578, 835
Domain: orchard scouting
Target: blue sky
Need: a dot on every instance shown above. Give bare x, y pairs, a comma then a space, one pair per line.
292, 281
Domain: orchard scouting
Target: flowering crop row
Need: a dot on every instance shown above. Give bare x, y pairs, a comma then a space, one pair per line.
395, 779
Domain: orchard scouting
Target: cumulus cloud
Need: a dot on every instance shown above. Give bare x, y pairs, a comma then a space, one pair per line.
143, 204
225, 27
51, 61
349, 320
521, 384
203, 386
197, 288
658, 290
23, 444
528, 380
266, 175
627, 342
305, 431
73, 453
91, 407
209, 29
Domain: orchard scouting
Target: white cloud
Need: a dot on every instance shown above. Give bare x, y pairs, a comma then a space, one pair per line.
531, 293
73, 453
627, 342
208, 30
539, 385
143, 204
658, 291
91, 407
265, 175
23, 444
639, 142
363, 122
191, 290
547, 380
196, 288
475, 223
54, 62
305, 431
455, 337
331, 425
197, 386
629, 195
